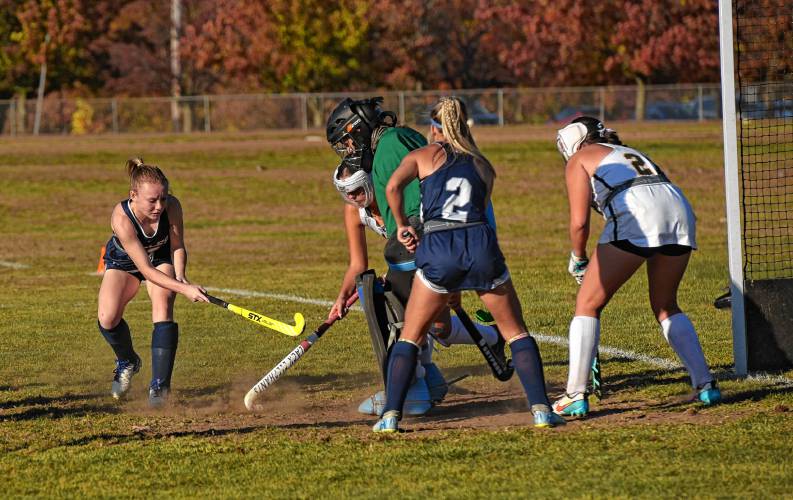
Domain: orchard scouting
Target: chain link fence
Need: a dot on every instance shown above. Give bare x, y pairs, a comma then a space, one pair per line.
230, 113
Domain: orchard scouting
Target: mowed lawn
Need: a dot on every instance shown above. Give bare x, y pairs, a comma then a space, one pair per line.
264, 230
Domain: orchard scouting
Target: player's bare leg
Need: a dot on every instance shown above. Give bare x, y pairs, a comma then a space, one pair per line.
164, 339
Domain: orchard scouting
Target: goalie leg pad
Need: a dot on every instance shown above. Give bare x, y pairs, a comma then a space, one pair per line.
384, 315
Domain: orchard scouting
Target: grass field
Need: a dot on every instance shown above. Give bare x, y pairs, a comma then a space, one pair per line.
264, 230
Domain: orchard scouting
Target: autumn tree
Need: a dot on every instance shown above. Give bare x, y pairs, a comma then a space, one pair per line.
440, 43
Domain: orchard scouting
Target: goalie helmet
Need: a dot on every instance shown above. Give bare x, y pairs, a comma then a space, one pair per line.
348, 186
570, 138
350, 127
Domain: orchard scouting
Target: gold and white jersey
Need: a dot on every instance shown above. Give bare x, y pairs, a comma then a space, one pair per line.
639, 203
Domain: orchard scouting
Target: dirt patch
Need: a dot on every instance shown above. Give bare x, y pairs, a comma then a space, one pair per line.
289, 407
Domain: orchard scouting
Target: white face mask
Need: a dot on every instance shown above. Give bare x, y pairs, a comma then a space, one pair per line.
569, 139
349, 187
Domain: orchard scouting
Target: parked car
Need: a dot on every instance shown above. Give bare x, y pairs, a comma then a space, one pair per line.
711, 107
570, 113
668, 110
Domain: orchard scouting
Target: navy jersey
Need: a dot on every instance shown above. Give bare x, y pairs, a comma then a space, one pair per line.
157, 245
454, 192
459, 249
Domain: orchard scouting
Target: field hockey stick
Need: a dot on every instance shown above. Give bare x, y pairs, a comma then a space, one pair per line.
292, 358
261, 319
502, 370
597, 378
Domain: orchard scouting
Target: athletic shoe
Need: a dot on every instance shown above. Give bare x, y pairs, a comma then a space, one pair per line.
417, 403
709, 394
435, 382
572, 406
158, 394
388, 424
544, 417
122, 379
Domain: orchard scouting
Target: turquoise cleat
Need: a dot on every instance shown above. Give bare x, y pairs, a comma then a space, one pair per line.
388, 424
709, 394
576, 405
544, 417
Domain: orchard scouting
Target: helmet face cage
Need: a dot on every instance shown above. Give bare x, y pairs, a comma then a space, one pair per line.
359, 179
350, 127
570, 138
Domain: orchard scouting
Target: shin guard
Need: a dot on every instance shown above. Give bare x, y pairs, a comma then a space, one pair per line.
528, 365
120, 340
164, 340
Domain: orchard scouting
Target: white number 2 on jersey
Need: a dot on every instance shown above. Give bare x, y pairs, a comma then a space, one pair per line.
460, 197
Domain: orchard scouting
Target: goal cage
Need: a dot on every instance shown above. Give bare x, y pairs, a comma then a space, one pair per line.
756, 38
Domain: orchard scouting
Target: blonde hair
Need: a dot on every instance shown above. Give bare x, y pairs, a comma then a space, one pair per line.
450, 112
139, 173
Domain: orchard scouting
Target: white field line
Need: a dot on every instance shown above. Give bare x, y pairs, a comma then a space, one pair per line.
761, 378
13, 265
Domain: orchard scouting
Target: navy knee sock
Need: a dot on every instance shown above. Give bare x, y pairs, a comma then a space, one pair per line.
401, 368
528, 364
164, 339
120, 340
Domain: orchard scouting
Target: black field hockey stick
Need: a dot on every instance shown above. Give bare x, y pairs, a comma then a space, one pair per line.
261, 319
502, 368
596, 380
292, 358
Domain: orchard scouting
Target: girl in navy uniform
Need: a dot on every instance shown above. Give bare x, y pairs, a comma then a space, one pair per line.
147, 244
458, 251
648, 219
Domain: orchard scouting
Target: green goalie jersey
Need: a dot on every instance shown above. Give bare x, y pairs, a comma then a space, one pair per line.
393, 145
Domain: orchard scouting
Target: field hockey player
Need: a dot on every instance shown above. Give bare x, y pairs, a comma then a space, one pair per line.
648, 220
147, 244
458, 251
371, 146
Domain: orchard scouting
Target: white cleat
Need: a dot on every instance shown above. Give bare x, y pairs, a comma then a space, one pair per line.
122, 379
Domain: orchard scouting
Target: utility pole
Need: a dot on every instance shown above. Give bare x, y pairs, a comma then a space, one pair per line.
176, 68
42, 82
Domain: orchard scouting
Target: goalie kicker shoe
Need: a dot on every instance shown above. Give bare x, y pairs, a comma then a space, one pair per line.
122, 377
158, 394
435, 382
708, 393
388, 424
417, 403
544, 417
575, 405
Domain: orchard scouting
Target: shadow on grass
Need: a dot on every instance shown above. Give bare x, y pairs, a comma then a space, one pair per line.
482, 405
111, 439
754, 394
49, 407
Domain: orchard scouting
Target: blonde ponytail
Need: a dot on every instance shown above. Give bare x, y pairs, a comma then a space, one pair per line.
450, 112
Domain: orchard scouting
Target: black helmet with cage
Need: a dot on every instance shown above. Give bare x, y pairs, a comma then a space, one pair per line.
350, 128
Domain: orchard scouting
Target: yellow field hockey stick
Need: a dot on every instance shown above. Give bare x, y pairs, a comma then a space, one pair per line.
261, 319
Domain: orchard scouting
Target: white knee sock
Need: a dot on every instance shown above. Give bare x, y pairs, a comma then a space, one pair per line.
682, 336
584, 339
459, 335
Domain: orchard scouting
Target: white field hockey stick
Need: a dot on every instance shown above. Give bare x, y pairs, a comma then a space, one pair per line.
261, 319
291, 358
